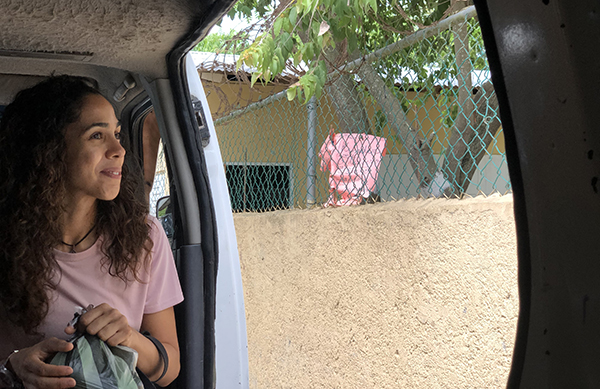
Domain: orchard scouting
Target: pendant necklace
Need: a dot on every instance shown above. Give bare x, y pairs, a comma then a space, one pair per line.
72, 251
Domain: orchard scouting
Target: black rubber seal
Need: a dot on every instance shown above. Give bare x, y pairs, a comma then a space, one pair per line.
519, 201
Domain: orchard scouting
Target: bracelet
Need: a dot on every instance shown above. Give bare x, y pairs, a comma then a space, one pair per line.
162, 353
8, 379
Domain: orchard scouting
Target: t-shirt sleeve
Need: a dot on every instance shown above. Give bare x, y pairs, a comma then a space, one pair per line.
164, 289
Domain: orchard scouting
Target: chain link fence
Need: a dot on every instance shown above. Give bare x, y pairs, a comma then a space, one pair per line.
415, 118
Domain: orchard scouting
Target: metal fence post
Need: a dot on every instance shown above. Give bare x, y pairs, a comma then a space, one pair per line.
311, 156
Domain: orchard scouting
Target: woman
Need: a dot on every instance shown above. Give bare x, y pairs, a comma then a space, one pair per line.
75, 233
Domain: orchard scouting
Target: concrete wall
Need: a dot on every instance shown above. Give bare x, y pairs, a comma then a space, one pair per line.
408, 294
491, 176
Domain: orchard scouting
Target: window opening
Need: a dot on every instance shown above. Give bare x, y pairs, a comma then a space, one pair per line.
259, 187
160, 186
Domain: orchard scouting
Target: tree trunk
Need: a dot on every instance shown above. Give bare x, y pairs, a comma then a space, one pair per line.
462, 125
468, 142
473, 131
473, 128
347, 104
421, 156
345, 98
475, 138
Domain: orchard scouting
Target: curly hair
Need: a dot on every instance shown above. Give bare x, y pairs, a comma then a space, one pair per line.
33, 173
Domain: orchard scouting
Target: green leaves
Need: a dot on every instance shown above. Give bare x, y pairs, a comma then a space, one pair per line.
308, 51
277, 26
293, 16
302, 32
352, 43
255, 76
291, 93
228, 43
321, 23
321, 72
373, 5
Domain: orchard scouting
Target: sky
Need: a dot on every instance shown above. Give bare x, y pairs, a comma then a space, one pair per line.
228, 24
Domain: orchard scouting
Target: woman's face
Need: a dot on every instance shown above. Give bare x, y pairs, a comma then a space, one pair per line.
94, 152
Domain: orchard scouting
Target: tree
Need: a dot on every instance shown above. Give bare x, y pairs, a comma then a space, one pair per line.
222, 43
323, 35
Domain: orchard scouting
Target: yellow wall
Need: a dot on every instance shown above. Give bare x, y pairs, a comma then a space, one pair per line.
277, 133
429, 120
428, 299
224, 97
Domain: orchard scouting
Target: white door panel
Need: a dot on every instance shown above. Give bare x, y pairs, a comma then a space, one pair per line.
230, 327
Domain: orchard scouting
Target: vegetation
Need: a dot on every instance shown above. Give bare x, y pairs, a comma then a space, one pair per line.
222, 43
321, 36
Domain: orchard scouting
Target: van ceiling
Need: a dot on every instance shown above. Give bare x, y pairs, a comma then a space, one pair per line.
133, 35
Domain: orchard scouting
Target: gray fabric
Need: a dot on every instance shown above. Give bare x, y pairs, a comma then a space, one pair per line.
97, 365
135, 35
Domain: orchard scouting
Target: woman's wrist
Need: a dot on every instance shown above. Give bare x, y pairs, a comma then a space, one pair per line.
8, 377
150, 361
8, 364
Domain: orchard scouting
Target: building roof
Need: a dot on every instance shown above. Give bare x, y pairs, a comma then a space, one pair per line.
213, 66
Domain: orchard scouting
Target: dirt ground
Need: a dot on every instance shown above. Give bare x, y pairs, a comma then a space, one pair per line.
407, 294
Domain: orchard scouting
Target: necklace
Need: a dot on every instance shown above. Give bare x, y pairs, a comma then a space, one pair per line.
72, 251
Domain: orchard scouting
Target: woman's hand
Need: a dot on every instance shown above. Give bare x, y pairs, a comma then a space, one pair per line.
107, 323
30, 367
111, 326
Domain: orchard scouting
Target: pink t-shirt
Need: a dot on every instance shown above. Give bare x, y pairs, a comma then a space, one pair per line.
84, 281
